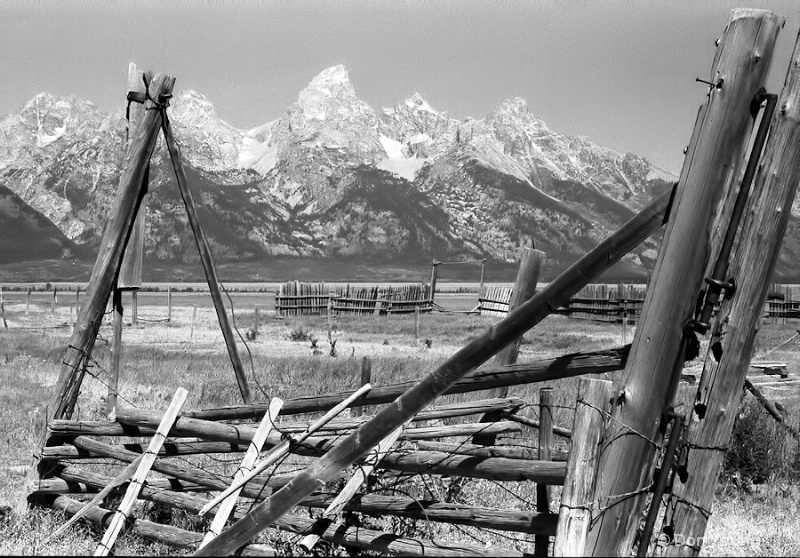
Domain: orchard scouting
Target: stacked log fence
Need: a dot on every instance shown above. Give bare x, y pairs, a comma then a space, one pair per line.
83, 458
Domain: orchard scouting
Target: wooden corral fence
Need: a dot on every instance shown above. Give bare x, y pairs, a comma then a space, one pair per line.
295, 298
615, 303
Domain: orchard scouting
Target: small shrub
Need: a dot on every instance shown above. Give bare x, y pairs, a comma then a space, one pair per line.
758, 451
300, 334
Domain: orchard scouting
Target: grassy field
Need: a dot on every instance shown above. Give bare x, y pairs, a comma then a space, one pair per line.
292, 357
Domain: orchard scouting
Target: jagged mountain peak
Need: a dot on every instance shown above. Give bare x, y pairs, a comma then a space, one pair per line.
330, 93
332, 79
418, 102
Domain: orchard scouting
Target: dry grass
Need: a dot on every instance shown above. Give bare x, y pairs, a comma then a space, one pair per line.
159, 357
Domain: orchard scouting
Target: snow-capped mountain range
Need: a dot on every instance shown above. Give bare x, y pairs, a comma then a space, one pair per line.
331, 177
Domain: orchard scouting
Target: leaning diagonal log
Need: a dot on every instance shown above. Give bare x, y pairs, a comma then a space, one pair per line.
115, 237
139, 477
208, 262
425, 391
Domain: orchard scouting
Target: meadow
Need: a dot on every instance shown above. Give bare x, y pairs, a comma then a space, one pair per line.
291, 356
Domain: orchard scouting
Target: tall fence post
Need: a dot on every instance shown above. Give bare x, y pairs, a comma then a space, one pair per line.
366, 378
55, 300
720, 386
434, 273
169, 303
650, 378
578, 496
28, 302
530, 266
542, 542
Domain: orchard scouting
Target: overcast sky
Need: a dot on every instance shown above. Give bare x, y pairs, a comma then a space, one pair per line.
620, 72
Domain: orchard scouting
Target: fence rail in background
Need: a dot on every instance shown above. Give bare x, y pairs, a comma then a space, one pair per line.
295, 298
615, 303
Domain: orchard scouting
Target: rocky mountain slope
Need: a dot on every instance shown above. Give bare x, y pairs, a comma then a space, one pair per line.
332, 177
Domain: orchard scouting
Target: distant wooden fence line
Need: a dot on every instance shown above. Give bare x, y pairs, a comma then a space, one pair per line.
613, 303
295, 298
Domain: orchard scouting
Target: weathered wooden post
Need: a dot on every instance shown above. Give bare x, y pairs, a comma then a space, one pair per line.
434, 274
720, 387
130, 271
649, 381
483, 269
366, 378
28, 302
194, 315
416, 325
169, 303
255, 321
55, 300
134, 308
530, 266
578, 495
542, 542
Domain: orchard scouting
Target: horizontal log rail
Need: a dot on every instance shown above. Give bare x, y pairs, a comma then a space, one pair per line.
220, 432
566, 366
443, 512
403, 460
374, 504
510, 452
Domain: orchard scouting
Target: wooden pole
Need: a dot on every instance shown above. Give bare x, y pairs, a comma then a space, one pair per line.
194, 315
116, 355
648, 384
530, 266
366, 378
134, 308
719, 390
416, 325
542, 542
434, 273
28, 302
577, 498
208, 264
55, 299
255, 322
169, 303
3, 314
135, 486
115, 236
